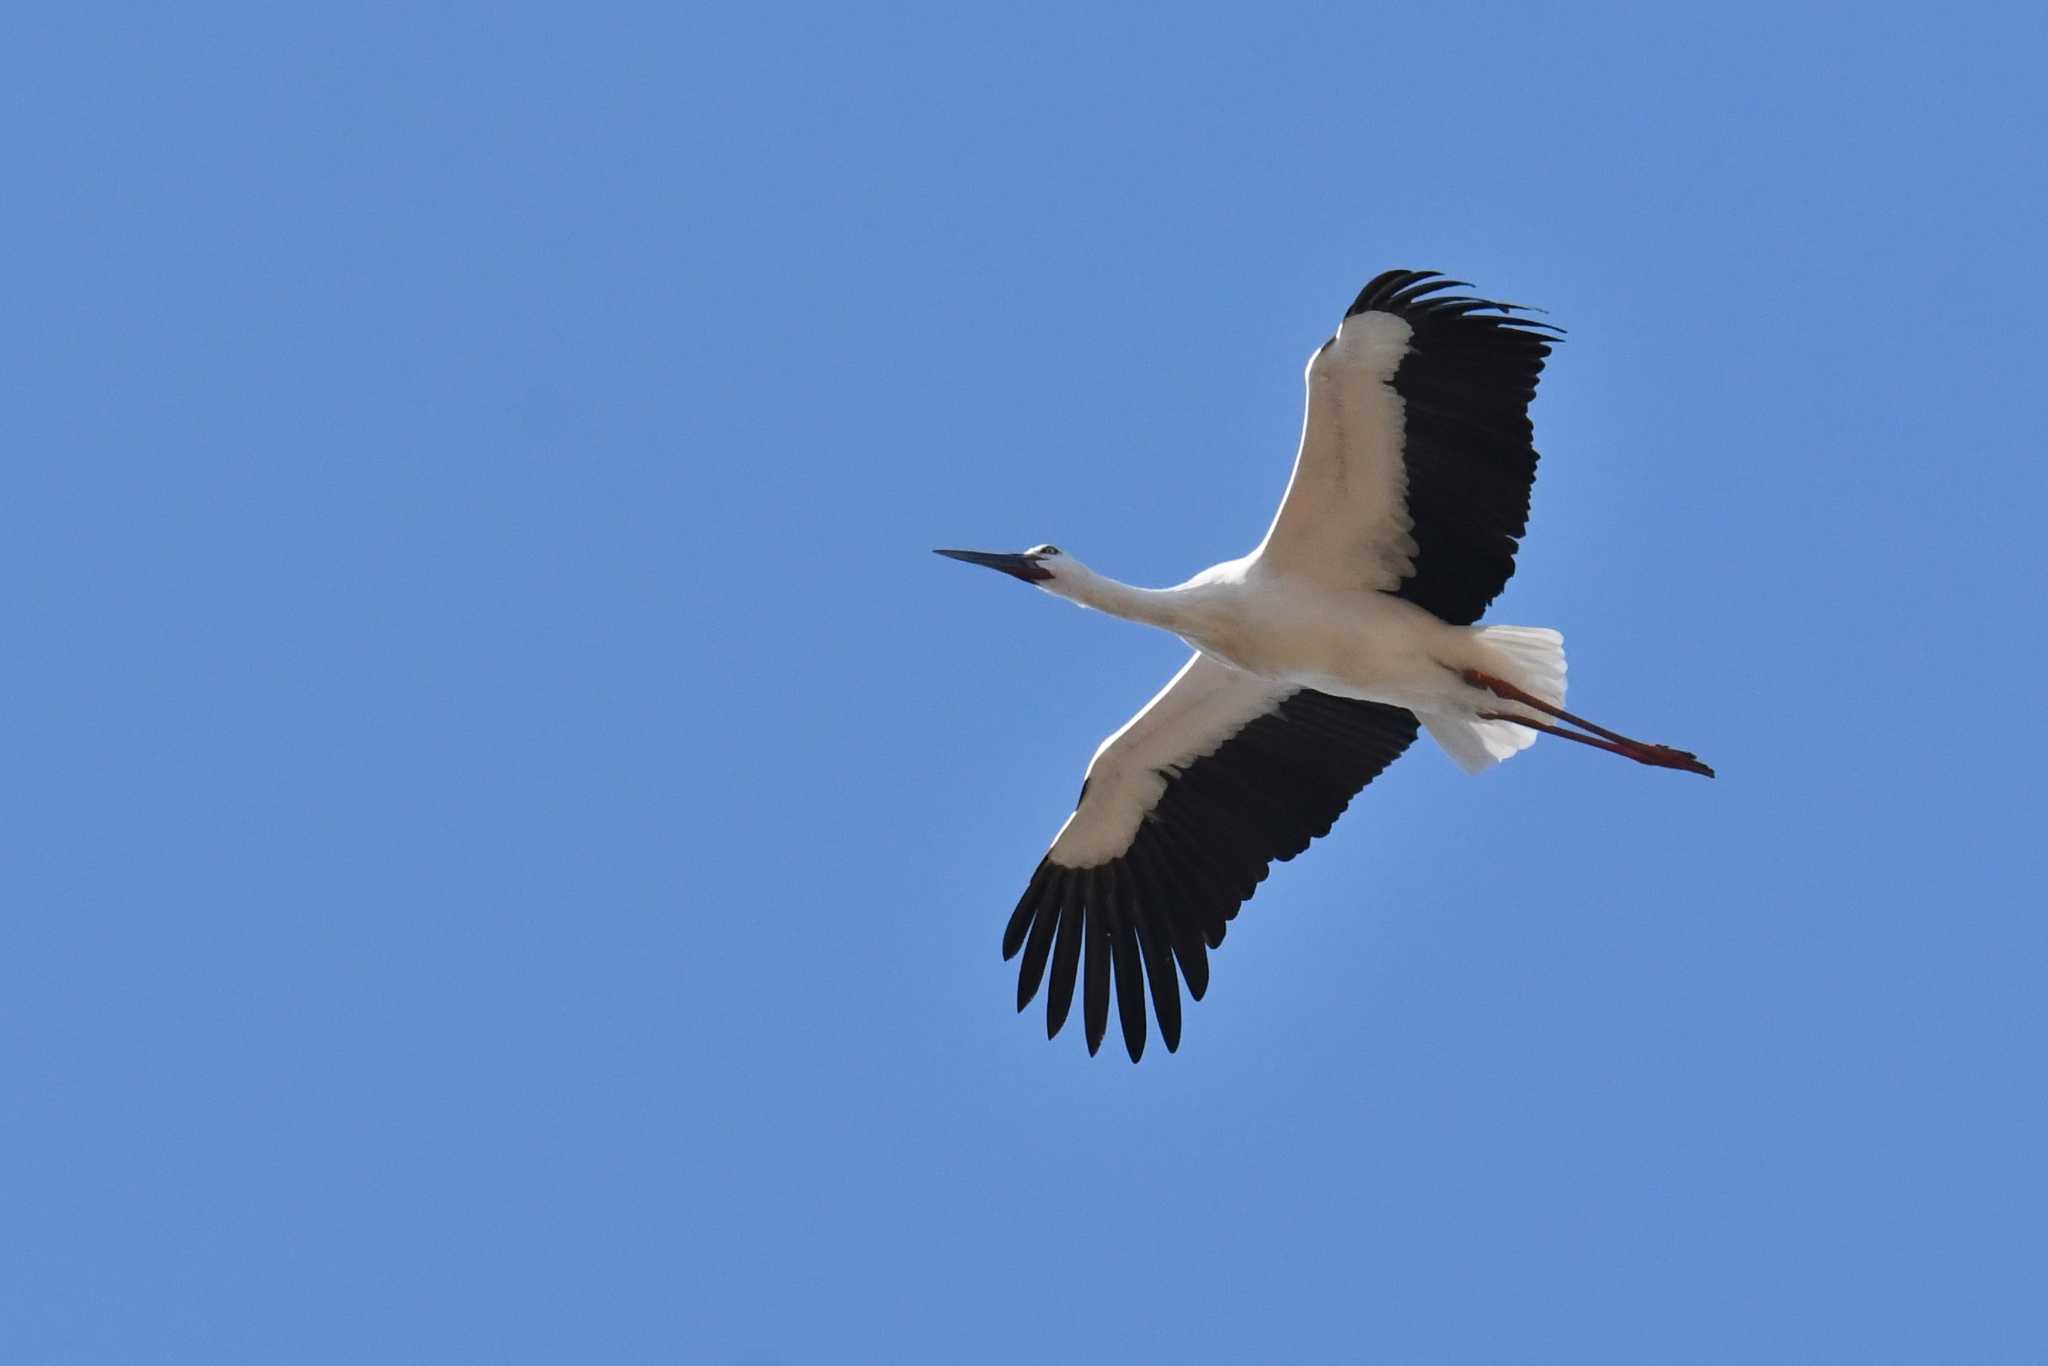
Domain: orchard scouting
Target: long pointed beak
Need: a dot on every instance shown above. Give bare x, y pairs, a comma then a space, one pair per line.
1023, 567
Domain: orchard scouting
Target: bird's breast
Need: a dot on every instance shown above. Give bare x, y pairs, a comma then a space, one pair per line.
1275, 642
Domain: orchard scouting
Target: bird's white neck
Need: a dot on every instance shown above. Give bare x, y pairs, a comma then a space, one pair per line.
1163, 607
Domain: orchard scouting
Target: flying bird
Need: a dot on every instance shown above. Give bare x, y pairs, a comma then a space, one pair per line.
1317, 657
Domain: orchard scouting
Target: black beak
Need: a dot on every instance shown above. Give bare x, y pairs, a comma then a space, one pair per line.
1025, 567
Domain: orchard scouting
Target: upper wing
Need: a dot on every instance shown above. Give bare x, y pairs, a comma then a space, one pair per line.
1182, 811
1416, 456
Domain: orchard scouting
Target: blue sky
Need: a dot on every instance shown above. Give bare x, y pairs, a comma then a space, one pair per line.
506, 827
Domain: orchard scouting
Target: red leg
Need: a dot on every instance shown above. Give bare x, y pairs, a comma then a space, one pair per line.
1500, 687
1658, 756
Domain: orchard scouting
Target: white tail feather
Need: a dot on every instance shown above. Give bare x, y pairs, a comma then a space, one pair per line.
1530, 657
1478, 745
1535, 655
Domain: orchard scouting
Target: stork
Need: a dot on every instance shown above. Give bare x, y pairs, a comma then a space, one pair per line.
1317, 657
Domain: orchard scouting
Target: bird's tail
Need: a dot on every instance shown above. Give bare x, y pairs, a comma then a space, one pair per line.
1532, 658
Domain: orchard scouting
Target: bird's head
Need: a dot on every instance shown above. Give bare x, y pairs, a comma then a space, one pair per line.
1042, 565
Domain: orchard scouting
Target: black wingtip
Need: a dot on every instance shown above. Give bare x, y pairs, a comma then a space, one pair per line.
1095, 974
1066, 958
1027, 909
1418, 294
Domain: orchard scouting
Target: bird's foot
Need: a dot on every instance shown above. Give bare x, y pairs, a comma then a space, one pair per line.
1664, 756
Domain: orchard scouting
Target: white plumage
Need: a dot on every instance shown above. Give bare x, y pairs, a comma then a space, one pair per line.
1317, 656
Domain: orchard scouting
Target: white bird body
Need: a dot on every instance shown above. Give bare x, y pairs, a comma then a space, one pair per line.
1351, 642
1318, 656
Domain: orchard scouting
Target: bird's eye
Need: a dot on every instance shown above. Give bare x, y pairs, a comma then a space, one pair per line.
1046, 550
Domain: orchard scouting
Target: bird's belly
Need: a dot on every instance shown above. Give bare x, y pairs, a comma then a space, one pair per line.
1377, 648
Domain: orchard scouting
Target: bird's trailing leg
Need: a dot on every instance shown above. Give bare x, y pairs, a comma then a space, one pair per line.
1657, 756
